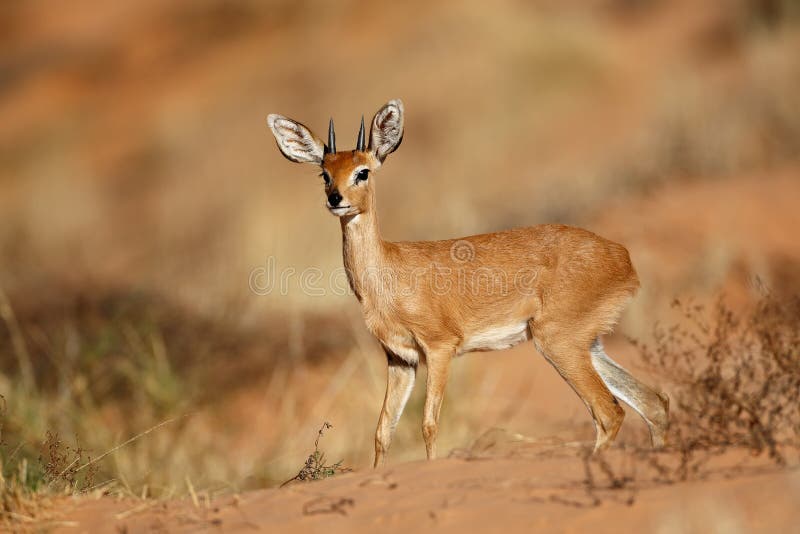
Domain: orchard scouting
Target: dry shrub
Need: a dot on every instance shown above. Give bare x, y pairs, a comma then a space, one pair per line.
66, 468
734, 380
735, 383
315, 467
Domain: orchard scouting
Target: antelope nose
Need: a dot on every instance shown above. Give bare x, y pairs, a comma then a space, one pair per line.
334, 199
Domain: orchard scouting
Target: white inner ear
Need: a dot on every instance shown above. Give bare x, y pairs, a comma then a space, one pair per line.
387, 129
295, 140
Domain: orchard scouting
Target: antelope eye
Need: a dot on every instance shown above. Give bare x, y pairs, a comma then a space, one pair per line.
326, 178
362, 175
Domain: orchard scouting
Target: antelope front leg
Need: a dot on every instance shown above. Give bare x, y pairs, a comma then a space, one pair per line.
399, 383
438, 368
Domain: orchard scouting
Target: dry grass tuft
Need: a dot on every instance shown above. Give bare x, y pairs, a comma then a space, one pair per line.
20, 503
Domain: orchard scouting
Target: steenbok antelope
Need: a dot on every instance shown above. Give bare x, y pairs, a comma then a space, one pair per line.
431, 301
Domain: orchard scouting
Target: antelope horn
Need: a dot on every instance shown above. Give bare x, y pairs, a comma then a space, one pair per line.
360, 142
331, 147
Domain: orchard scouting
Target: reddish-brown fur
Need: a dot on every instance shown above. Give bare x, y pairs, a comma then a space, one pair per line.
430, 301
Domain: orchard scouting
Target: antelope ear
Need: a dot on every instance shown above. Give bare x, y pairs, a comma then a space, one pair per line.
295, 141
386, 132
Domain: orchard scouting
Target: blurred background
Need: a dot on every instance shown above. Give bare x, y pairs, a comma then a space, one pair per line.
140, 189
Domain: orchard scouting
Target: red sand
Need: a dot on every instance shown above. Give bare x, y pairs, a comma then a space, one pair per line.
527, 488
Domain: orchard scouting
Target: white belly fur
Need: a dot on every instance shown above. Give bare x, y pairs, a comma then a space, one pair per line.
498, 338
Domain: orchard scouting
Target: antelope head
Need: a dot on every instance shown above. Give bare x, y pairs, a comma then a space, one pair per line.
348, 188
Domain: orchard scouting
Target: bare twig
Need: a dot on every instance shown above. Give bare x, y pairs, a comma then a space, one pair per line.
131, 440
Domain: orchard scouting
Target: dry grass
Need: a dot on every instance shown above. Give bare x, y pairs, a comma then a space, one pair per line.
108, 368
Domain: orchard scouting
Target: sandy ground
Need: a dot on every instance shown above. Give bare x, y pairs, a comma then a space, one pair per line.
518, 487
524, 483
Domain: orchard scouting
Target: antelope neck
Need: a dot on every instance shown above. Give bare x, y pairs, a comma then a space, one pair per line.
362, 248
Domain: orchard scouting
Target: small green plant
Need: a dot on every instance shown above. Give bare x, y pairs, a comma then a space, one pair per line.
315, 467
